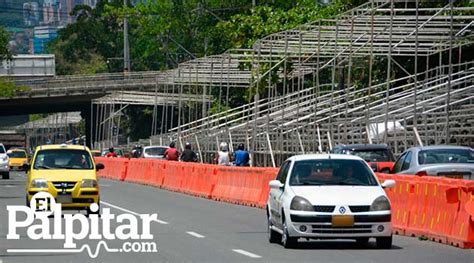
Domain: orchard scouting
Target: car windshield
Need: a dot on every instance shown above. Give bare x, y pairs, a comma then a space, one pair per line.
434, 156
332, 172
63, 159
17, 154
155, 151
2, 150
372, 155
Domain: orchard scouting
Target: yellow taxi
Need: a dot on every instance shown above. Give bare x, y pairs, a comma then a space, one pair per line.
68, 173
17, 158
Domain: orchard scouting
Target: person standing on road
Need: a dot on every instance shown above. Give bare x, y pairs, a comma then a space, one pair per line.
188, 154
223, 156
111, 153
241, 156
172, 154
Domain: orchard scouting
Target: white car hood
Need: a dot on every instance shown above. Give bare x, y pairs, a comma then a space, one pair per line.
339, 195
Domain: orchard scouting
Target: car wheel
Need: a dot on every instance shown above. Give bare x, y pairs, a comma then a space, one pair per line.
384, 242
286, 240
362, 241
27, 202
273, 236
6, 175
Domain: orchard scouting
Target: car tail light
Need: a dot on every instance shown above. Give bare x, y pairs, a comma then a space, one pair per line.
422, 173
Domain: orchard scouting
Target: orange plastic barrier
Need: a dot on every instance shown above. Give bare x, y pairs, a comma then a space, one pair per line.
400, 199
440, 209
114, 168
462, 234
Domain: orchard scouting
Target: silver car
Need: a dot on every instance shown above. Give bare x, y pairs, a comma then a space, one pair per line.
448, 161
154, 152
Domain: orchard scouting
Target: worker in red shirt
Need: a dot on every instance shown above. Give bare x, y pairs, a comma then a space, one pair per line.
111, 153
171, 154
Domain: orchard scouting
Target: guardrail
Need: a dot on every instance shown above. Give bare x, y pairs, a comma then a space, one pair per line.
440, 209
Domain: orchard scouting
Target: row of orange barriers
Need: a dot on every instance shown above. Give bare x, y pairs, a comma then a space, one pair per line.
239, 185
440, 209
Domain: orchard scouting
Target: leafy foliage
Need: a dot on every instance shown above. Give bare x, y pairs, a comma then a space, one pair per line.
4, 51
9, 89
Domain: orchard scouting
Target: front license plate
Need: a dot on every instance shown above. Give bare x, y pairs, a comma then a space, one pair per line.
342, 220
64, 198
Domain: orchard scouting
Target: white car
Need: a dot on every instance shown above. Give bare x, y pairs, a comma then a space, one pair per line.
154, 152
328, 196
4, 166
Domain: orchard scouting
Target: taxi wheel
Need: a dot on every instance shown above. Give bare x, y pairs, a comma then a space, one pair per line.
27, 202
384, 242
273, 236
286, 240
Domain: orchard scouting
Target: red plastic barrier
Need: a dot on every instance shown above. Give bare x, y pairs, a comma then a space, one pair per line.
462, 234
114, 168
400, 199
173, 176
441, 209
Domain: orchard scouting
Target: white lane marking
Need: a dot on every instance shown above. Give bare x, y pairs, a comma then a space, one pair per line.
131, 212
194, 234
8, 186
104, 185
246, 253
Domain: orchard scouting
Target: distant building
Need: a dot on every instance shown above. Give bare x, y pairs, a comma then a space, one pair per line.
51, 11
66, 7
42, 36
31, 13
27, 66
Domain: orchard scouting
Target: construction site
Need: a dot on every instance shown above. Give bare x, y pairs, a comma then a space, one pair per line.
310, 88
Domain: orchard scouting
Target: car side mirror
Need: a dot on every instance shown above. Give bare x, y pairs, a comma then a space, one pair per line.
99, 166
275, 184
26, 167
388, 184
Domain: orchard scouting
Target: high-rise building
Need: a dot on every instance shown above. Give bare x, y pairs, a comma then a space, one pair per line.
42, 36
31, 13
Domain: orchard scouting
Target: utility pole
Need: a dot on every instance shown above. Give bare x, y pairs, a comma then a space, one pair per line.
126, 49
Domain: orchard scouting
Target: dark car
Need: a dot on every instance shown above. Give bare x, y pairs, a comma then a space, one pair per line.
379, 156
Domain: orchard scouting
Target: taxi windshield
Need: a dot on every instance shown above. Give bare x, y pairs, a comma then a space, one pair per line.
63, 159
17, 154
332, 172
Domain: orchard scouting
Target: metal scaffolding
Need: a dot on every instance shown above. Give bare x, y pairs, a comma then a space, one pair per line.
309, 93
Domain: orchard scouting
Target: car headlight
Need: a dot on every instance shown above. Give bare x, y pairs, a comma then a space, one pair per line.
381, 203
39, 183
301, 204
88, 183
5, 158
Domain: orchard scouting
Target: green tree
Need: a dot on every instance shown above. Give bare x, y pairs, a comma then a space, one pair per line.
4, 38
86, 45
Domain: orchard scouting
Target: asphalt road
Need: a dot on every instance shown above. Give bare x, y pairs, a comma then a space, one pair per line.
198, 230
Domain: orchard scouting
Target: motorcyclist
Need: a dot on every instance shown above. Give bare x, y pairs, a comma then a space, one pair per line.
172, 154
241, 156
111, 153
188, 154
